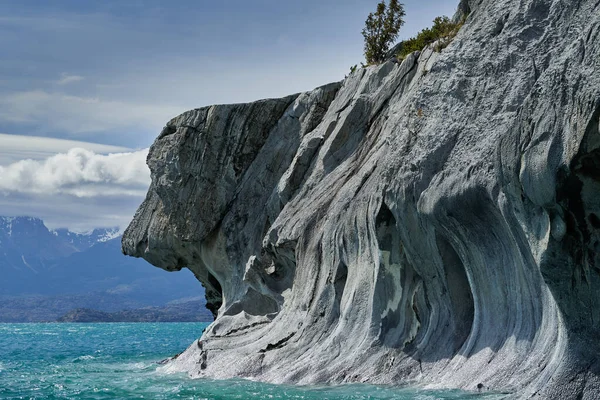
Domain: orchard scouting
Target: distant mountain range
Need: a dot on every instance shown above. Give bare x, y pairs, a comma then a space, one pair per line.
45, 274
28, 247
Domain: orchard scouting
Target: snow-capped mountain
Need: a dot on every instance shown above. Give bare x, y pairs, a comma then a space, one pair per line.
37, 265
26, 243
86, 240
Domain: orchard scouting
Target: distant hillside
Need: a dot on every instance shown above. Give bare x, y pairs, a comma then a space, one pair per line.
193, 311
45, 274
50, 308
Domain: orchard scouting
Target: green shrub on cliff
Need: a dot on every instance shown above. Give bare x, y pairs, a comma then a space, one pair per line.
381, 30
443, 29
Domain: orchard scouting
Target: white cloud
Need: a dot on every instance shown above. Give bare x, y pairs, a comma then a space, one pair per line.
79, 173
65, 79
14, 148
72, 184
78, 115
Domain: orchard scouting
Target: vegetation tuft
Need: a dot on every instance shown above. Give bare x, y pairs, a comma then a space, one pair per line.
442, 31
382, 28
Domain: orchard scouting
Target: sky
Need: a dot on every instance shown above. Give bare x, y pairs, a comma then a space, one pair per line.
86, 86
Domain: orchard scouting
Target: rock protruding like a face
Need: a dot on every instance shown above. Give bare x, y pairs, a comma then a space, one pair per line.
436, 220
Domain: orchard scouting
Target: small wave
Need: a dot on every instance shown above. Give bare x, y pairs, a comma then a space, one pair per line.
59, 386
84, 358
138, 366
168, 369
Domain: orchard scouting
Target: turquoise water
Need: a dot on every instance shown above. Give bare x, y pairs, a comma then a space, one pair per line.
118, 361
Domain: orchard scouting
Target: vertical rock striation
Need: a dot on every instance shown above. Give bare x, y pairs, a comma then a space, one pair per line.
435, 221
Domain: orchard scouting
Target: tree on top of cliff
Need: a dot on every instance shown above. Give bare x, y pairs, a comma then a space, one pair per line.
381, 30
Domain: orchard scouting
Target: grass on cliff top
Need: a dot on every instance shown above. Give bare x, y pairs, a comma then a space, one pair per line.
443, 29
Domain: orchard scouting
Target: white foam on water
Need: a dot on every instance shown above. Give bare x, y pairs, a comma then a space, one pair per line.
85, 358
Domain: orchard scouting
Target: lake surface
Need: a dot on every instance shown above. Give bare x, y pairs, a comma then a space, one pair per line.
119, 361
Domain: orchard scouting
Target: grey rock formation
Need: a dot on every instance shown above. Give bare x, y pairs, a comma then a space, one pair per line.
435, 222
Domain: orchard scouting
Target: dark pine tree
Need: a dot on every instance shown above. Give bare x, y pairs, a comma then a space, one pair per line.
381, 30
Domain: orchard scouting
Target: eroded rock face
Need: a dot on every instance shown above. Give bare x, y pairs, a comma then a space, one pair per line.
435, 221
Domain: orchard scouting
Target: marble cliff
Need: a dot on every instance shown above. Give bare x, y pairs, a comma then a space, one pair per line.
434, 221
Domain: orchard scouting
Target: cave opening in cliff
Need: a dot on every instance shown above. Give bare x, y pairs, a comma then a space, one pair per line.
214, 295
339, 283
459, 291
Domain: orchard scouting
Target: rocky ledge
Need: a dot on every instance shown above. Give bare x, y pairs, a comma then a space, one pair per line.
432, 222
